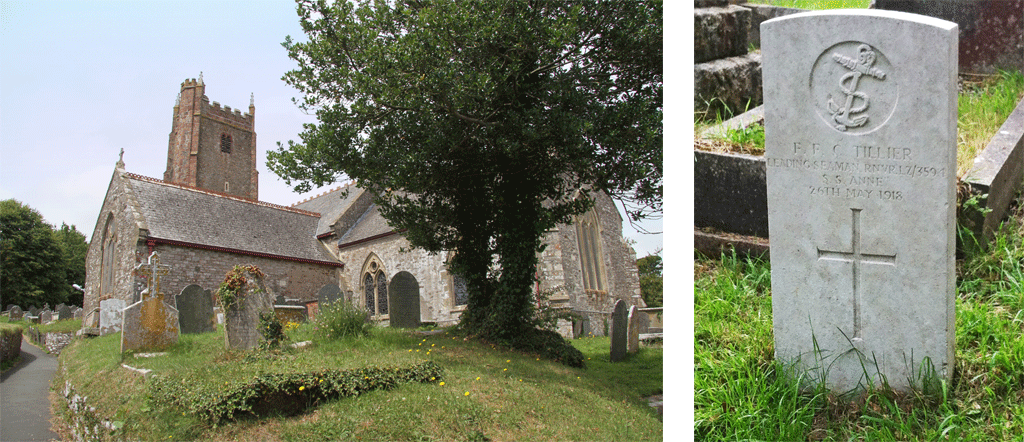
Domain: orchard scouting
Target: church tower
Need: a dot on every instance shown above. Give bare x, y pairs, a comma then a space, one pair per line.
212, 147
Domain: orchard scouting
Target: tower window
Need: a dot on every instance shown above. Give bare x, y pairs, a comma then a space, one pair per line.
225, 143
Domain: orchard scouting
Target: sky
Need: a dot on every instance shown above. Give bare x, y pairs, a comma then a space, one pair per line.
79, 81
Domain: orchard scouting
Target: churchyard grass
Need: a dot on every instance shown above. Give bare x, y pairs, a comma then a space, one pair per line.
740, 395
65, 326
484, 392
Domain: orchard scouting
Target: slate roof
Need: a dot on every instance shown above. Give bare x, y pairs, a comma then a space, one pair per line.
369, 225
330, 205
201, 218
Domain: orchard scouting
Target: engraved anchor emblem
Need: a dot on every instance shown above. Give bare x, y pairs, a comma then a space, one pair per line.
848, 84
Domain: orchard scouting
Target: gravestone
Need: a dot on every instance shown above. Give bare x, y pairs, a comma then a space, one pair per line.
111, 315
65, 312
45, 316
860, 131
404, 300
328, 293
633, 330
16, 313
150, 324
195, 310
34, 311
77, 314
242, 319
620, 330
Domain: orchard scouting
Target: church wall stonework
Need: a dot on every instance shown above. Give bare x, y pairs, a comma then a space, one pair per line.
207, 268
397, 255
118, 208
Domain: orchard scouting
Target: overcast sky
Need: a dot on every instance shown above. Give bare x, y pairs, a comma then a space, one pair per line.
79, 81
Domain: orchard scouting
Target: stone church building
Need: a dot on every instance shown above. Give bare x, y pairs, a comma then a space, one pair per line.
204, 217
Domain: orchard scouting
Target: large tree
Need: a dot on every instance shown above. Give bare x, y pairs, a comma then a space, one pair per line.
73, 249
480, 125
32, 264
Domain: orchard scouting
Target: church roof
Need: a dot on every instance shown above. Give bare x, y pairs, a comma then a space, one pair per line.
193, 217
331, 205
369, 226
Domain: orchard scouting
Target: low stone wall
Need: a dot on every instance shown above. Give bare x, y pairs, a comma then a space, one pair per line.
82, 420
54, 343
10, 344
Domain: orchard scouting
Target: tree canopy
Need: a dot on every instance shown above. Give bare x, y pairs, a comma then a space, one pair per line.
651, 286
481, 124
36, 260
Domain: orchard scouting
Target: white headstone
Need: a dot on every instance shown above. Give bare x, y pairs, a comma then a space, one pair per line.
110, 315
860, 131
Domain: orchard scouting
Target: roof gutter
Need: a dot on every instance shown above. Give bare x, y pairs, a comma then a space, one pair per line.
151, 242
370, 238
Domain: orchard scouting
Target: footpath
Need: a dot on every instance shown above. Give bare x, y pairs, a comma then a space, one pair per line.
25, 397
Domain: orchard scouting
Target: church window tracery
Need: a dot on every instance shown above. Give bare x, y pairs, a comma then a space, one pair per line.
375, 287
588, 236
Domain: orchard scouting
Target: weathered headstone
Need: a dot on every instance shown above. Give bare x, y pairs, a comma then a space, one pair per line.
150, 324
328, 293
290, 313
404, 299
111, 315
620, 330
195, 310
77, 314
860, 125
633, 329
65, 312
16, 313
34, 311
242, 318
45, 316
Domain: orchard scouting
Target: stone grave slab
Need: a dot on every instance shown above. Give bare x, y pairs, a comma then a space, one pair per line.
45, 316
65, 312
404, 300
111, 315
633, 330
16, 313
860, 130
77, 314
328, 293
150, 324
242, 319
195, 310
620, 317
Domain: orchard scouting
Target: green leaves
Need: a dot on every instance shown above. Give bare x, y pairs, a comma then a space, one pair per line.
481, 124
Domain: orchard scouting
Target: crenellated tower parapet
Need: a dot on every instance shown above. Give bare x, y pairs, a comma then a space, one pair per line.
212, 146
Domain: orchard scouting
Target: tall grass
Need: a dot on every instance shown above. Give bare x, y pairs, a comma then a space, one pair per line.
485, 392
739, 393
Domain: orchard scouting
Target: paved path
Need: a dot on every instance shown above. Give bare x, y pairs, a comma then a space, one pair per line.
25, 397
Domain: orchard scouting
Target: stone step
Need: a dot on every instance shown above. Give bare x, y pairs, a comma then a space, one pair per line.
707, 3
733, 83
719, 32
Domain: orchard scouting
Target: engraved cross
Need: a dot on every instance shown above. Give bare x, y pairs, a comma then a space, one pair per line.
153, 270
857, 258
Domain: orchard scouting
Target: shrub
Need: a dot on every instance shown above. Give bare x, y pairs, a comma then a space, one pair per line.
340, 319
282, 393
550, 345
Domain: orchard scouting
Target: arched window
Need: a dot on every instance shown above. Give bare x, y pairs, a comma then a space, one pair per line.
588, 235
375, 287
225, 143
109, 243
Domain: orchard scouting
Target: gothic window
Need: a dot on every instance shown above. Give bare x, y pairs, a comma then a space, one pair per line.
107, 260
225, 143
461, 291
375, 287
588, 236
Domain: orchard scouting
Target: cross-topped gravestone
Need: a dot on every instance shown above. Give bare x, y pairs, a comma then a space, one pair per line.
150, 324
860, 149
